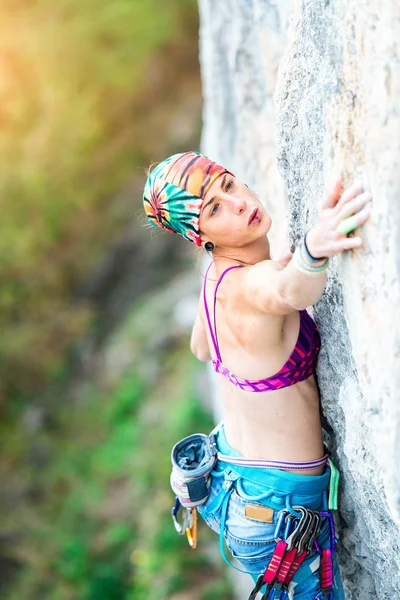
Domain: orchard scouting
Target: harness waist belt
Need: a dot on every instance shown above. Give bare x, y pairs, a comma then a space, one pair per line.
273, 464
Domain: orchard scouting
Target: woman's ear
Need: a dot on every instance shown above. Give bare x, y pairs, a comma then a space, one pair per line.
203, 238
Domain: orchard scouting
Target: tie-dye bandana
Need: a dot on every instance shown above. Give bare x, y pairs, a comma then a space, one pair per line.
175, 190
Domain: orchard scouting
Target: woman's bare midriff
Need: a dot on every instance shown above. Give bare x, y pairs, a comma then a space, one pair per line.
281, 424
277, 425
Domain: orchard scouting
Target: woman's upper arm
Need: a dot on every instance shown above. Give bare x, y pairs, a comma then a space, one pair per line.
199, 341
263, 288
281, 290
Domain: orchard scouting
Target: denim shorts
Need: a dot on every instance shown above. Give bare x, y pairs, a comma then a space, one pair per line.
250, 541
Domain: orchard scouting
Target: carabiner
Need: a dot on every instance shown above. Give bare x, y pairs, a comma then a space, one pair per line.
186, 522
281, 518
257, 587
267, 594
191, 531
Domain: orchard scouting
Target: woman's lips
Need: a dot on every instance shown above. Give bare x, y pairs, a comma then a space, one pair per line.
255, 217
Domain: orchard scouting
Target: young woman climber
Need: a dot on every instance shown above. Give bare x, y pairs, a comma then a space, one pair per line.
262, 479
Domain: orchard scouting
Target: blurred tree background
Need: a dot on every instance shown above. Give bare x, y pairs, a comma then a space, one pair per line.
96, 381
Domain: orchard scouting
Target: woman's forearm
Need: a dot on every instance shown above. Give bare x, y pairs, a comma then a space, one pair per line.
299, 290
305, 276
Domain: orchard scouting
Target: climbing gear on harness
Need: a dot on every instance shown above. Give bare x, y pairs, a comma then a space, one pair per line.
297, 529
188, 525
289, 553
193, 459
180, 527
191, 530
327, 562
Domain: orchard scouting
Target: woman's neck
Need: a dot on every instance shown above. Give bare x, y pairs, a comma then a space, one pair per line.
247, 255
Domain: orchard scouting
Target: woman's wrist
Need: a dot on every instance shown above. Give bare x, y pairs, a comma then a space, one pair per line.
303, 264
309, 254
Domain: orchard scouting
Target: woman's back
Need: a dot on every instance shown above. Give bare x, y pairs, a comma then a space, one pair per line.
255, 345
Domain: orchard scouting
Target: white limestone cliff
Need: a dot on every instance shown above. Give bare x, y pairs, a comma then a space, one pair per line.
294, 94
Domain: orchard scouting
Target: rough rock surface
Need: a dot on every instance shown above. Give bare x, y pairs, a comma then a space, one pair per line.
313, 88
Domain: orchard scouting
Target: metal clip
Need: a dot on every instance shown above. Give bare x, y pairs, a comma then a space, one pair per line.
294, 536
186, 521
269, 593
281, 517
191, 529
305, 529
257, 587
315, 529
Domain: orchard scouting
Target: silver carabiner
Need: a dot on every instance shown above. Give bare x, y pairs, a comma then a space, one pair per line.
187, 520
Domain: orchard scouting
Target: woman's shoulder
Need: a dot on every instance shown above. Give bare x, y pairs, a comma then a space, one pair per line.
258, 271
259, 288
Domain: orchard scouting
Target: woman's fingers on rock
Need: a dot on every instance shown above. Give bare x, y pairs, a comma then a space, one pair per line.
363, 214
351, 192
351, 223
333, 195
355, 205
349, 243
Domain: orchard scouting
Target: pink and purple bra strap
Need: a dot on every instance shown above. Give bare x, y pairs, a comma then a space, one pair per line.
213, 330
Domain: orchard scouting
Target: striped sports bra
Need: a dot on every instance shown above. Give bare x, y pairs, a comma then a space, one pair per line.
299, 366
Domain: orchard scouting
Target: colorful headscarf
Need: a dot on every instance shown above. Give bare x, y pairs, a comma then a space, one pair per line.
175, 190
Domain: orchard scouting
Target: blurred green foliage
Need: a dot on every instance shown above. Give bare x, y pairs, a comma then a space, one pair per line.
96, 524
88, 92
85, 89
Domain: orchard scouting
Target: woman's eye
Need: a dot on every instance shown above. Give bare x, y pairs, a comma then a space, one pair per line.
214, 209
229, 185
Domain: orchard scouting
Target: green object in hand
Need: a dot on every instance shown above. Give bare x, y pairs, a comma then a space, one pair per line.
348, 225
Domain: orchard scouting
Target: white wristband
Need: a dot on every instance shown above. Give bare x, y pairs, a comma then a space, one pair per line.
308, 269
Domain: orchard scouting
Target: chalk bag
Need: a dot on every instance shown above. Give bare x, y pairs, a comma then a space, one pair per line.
193, 459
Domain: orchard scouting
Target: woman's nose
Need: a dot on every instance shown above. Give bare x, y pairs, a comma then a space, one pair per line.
238, 205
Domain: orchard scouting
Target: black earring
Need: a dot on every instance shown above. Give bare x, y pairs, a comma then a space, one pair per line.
209, 246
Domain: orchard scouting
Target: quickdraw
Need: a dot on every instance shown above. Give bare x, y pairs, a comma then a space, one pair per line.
326, 572
298, 541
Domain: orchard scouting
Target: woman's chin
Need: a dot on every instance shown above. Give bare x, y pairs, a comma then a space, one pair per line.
264, 225
267, 224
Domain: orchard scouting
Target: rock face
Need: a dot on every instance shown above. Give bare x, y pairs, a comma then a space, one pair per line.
312, 88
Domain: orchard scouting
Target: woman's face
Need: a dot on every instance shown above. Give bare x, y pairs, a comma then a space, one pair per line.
231, 215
